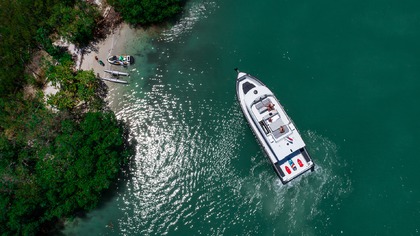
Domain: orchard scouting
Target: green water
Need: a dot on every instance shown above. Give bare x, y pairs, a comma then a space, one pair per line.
347, 73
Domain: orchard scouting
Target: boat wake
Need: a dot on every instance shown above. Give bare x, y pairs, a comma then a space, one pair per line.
306, 200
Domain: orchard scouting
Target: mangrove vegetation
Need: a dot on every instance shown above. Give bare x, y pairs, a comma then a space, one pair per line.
146, 12
58, 152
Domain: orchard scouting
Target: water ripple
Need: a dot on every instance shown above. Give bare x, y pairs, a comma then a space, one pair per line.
182, 161
196, 12
302, 200
199, 169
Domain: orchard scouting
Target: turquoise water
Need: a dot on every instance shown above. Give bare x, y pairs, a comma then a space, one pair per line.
347, 73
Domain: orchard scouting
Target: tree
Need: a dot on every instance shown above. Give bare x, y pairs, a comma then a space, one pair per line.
147, 11
84, 160
76, 88
66, 175
75, 23
20, 21
52, 164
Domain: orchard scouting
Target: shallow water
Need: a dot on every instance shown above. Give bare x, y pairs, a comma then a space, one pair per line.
346, 72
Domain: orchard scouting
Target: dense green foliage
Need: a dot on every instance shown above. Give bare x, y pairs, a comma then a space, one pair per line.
19, 23
147, 11
75, 23
56, 163
27, 25
76, 89
60, 172
52, 164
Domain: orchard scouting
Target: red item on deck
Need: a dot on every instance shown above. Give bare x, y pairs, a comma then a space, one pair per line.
300, 163
288, 170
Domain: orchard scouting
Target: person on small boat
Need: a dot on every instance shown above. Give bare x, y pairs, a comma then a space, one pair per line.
270, 106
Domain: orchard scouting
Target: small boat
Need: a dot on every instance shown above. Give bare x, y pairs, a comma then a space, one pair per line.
116, 73
120, 60
273, 128
114, 80
101, 63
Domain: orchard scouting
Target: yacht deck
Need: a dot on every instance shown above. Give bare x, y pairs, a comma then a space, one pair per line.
271, 117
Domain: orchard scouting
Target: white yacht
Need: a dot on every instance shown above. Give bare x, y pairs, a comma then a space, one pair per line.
275, 131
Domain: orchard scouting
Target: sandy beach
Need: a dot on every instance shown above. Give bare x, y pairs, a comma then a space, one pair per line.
113, 44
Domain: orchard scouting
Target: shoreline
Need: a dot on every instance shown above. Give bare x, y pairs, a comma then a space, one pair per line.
84, 58
112, 44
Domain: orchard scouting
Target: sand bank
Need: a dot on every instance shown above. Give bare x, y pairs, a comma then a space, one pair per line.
112, 45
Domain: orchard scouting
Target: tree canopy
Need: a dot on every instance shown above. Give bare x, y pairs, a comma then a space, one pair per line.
76, 88
52, 164
147, 11
76, 23
27, 25
46, 181
56, 163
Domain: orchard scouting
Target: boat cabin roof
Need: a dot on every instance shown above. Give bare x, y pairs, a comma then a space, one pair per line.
270, 114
